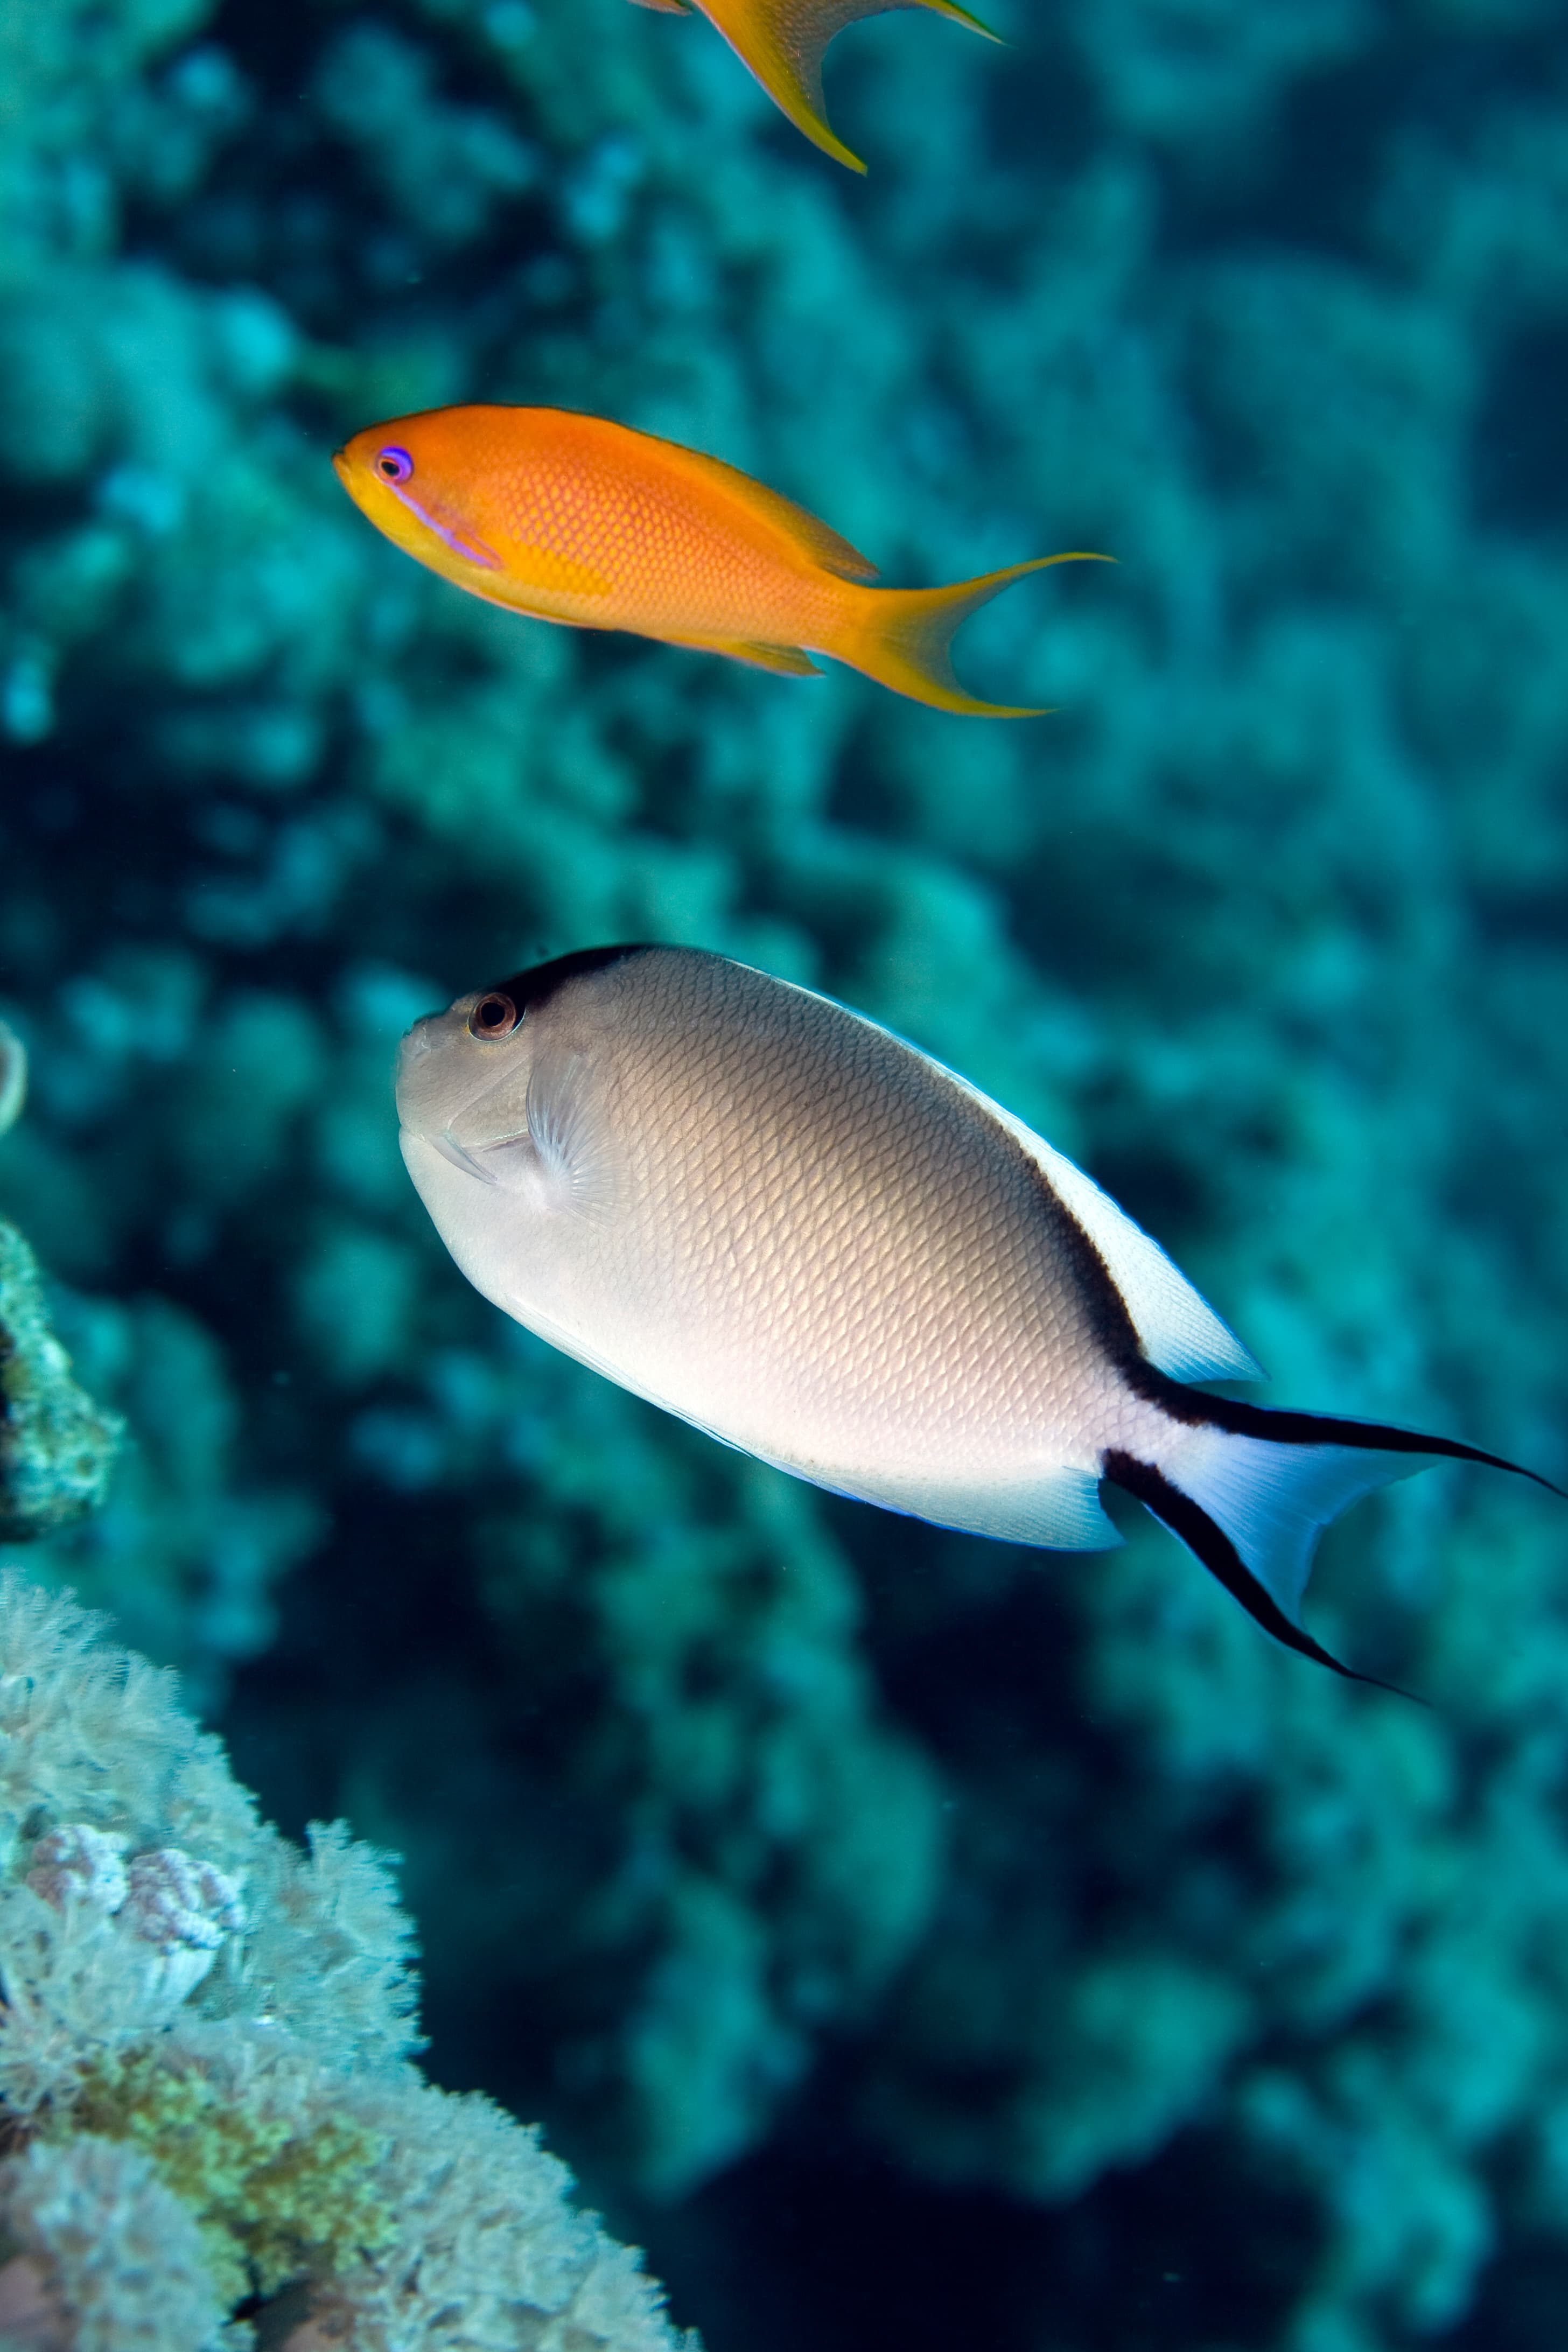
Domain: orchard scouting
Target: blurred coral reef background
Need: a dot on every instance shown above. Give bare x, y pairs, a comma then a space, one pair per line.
909, 1939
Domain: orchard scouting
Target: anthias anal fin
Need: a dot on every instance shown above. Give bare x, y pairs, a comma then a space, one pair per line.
788, 660
782, 43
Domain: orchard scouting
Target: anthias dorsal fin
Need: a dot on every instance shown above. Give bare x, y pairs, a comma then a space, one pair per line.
803, 529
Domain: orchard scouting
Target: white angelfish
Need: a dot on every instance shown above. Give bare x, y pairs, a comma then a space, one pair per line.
775, 1219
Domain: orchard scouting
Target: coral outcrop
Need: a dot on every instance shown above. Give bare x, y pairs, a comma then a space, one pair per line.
57, 1448
213, 2130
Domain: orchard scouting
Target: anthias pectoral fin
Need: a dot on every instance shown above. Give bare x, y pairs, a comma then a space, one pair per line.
782, 43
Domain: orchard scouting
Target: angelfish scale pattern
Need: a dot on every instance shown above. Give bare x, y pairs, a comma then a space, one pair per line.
824, 1242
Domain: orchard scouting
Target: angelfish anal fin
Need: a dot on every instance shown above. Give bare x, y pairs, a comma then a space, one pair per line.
1054, 1509
665, 7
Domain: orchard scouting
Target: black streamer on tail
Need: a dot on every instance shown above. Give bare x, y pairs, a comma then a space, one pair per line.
1210, 1544
1197, 1528
1200, 1411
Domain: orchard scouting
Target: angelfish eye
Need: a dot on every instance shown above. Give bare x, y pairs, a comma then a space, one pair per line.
494, 1015
393, 465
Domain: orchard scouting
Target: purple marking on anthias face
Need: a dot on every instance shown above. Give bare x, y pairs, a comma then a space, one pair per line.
396, 468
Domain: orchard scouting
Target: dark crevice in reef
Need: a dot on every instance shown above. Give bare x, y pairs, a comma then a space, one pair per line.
1309, 185
863, 2258
1519, 462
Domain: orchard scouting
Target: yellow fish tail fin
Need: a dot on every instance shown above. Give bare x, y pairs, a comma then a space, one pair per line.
901, 636
781, 43
950, 8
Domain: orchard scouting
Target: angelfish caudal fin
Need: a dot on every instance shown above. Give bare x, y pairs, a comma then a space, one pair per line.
900, 636
1249, 1491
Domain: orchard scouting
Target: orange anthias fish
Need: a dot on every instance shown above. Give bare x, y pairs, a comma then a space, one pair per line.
575, 519
781, 42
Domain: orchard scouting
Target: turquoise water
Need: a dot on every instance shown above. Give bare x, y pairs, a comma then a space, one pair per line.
910, 1940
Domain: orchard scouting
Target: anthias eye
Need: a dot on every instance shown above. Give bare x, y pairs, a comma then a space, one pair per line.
494, 1015
393, 465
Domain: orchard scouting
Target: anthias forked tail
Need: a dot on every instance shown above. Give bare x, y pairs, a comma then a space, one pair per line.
781, 43
901, 636
1249, 1489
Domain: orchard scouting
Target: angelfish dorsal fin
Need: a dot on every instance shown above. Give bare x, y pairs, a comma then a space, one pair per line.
1177, 1328
1181, 1333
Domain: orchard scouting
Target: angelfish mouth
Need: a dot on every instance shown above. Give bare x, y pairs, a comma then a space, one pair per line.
452, 1150
458, 1154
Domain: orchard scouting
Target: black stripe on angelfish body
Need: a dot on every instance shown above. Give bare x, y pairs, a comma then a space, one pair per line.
1211, 1545
1196, 1409
533, 988
1109, 1317
1112, 1323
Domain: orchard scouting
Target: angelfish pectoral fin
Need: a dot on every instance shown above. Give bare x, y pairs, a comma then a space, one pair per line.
577, 1166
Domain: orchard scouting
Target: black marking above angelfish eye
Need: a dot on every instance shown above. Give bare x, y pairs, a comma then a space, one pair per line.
393, 465
493, 1016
